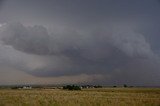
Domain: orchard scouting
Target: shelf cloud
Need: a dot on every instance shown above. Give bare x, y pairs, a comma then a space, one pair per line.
103, 44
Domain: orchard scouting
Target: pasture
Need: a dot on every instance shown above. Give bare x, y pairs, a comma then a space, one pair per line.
85, 97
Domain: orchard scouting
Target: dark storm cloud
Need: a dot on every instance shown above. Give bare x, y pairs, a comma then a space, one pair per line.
37, 40
72, 52
114, 39
31, 39
1, 3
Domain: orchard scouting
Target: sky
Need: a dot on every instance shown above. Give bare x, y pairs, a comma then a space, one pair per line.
107, 42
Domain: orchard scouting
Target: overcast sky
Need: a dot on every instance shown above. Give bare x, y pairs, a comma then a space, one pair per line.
109, 42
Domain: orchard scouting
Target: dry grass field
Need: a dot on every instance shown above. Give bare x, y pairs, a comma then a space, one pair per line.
86, 97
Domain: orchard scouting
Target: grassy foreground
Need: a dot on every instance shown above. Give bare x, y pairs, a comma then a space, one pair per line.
86, 97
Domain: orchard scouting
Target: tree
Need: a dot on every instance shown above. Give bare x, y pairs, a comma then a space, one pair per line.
125, 85
72, 87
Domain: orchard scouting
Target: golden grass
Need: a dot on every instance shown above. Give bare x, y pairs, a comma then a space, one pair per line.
87, 97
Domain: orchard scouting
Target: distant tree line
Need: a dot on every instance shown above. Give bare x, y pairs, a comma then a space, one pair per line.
72, 87
76, 87
124, 85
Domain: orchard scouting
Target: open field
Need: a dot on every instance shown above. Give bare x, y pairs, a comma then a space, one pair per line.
85, 97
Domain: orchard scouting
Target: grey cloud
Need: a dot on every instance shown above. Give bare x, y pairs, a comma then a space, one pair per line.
28, 63
132, 43
28, 39
1, 2
138, 72
72, 52
117, 40
36, 40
